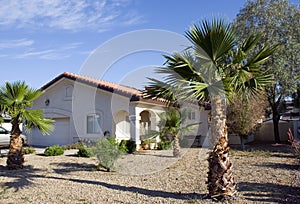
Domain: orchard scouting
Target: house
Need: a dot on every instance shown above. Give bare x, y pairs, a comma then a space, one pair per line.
85, 109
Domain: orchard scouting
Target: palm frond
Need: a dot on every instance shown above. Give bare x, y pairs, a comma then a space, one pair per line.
212, 40
261, 57
35, 118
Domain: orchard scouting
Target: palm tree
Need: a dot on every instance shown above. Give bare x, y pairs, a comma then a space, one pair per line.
215, 68
15, 100
172, 123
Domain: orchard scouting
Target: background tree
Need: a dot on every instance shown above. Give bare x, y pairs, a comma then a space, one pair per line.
215, 68
15, 100
243, 114
277, 21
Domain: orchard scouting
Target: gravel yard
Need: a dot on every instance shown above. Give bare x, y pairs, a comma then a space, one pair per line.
150, 177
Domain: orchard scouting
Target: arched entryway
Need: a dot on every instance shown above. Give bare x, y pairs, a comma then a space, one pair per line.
122, 125
147, 122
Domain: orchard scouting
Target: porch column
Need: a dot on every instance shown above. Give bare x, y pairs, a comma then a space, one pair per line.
135, 130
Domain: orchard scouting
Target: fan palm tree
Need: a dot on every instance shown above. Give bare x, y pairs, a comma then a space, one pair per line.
172, 123
15, 100
214, 69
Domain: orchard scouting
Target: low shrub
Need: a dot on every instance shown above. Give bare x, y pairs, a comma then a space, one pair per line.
164, 145
107, 152
54, 150
131, 146
28, 150
85, 151
76, 145
123, 146
112, 140
127, 146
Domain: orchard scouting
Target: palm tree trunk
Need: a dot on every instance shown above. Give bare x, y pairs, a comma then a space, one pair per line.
218, 119
220, 182
176, 146
15, 158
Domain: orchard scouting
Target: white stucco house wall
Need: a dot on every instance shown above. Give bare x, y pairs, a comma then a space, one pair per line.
85, 108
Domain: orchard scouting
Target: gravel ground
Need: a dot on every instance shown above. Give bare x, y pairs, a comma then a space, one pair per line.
150, 177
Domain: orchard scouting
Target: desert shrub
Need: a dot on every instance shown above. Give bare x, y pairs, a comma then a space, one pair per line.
28, 150
112, 140
123, 146
76, 145
164, 145
107, 152
127, 146
54, 150
85, 151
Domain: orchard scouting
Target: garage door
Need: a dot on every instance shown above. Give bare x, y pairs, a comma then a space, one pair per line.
60, 134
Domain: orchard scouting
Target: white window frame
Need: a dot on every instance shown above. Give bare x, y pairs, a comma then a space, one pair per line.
93, 123
192, 115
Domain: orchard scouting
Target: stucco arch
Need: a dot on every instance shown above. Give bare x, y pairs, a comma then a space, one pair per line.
147, 121
121, 127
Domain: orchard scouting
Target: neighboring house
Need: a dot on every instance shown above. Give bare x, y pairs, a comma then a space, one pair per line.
85, 109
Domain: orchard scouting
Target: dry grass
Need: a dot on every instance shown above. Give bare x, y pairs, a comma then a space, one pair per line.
264, 174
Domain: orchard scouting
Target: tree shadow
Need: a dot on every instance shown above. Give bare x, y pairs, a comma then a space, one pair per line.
68, 167
283, 155
23, 177
269, 192
273, 148
281, 166
138, 190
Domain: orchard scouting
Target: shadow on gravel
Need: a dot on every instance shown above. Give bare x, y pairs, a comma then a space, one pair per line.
138, 190
269, 192
68, 167
23, 177
281, 166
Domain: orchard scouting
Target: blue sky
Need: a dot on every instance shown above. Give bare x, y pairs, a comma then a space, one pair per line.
40, 39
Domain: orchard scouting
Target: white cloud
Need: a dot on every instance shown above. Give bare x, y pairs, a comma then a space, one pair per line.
64, 51
8, 44
65, 14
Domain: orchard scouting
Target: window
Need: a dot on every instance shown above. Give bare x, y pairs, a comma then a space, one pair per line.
191, 115
69, 91
93, 124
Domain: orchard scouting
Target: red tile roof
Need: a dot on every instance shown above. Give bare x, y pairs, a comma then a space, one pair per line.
135, 94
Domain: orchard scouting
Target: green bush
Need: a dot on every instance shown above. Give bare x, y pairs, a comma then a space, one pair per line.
85, 151
112, 140
107, 152
127, 146
123, 146
131, 146
76, 145
54, 150
28, 150
164, 145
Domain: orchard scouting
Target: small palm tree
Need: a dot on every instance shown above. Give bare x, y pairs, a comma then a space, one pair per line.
15, 100
172, 123
215, 68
